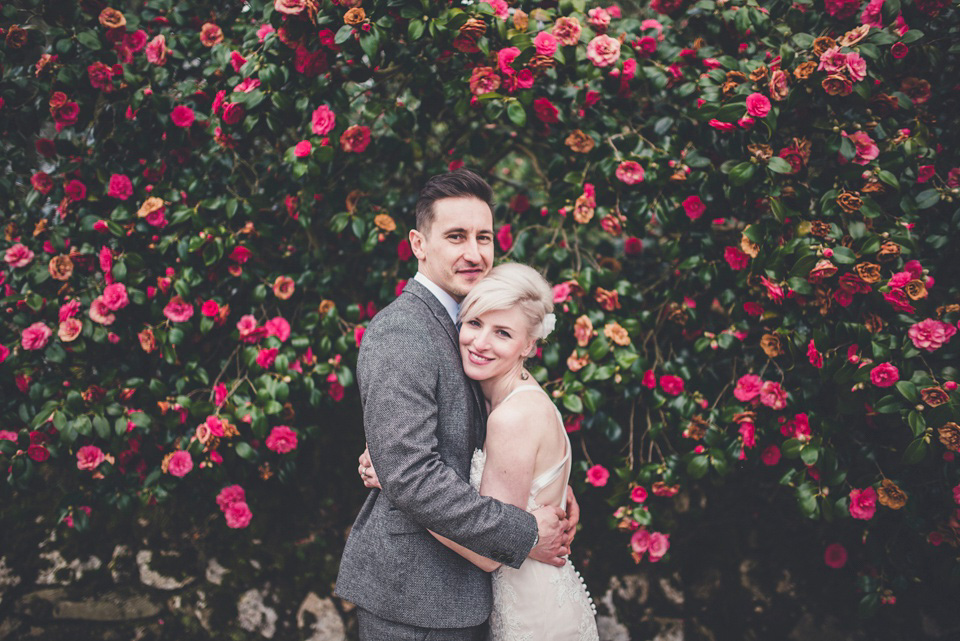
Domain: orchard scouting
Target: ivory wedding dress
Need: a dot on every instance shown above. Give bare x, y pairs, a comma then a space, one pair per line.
540, 602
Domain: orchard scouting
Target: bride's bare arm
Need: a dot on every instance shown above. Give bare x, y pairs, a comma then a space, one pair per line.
513, 439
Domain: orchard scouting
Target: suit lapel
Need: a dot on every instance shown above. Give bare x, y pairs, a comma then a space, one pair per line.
443, 318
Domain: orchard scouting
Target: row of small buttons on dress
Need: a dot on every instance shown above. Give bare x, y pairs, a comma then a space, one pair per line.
589, 598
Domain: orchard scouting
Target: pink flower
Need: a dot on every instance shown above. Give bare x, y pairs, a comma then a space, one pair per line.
603, 51
545, 43
99, 312
210, 308
282, 439
884, 375
638, 494
640, 542
18, 256
157, 51
266, 356
545, 110
237, 60
229, 495
736, 258
567, 30
115, 296
842, 9
75, 190
358, 333
279, 327
649, 379
956, 488
774, 291
632, 246
659, 544
899, 50
238, 515
832, 61
856, 67
835, 556
264, 31
599, 19
355, 139
220, 394
178, 310
36, 336
867, 149
302, 149
180, 463
672, 385
120, 187
323, 120
693, 207
89, 457
773, 395
38, 452
899, 301
930, 334
42, 182
748, 388
561, 292
863, 503
7, 435
598, 476
233, 112
630, 172
925, 173
748, 432
247, 85
758, 105
505, 58
720, 125
770, 455
505, 238
182, 116
814, 356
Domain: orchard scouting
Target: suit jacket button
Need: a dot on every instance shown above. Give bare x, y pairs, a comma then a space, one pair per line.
508, 559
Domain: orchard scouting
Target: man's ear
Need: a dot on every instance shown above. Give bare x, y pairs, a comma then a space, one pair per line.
417, 241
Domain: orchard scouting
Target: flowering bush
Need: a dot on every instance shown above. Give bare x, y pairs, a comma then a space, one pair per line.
747, 210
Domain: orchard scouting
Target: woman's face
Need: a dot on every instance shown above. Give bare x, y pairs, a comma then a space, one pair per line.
494, 343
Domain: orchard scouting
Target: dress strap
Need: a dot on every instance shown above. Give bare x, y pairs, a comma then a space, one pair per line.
523, 388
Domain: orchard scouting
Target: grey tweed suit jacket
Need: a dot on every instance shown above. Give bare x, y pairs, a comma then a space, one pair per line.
423, 418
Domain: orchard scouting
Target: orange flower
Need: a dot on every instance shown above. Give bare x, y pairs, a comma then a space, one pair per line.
749, 247
149, 206
384, 222
575, 362
325, 306
821, 44
934, 396
615, 332
210, 34
854, 36
696, 429
354, 16
583, 331
771, 345
580, 142
891, 495
608, 299
850, 202
804, 70
283, 287
148, 341
112, 19
520, 20
950, 436
583, 209
868, 272
888, 251
60, 267
915, 289
352, 199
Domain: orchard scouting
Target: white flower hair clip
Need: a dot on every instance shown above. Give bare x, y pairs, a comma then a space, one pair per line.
547, 325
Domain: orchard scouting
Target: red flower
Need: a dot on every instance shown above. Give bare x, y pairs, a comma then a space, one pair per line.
884, 375
120, 187
75, 190
182, 116
303, 149
736, 258
545, 110
693, 207
266, 357
505, 238
41, 182
282, 439
770, 455
101, 76
835, 556
38, 453
758, 105
233, 113
598, 476
672, 385
355, 139
842, 9
899, 50
632, 246
178, 310
863, 503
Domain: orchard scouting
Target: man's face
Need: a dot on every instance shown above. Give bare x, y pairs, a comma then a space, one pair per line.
457, 252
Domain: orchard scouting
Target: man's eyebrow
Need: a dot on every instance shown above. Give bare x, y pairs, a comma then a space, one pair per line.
461, 230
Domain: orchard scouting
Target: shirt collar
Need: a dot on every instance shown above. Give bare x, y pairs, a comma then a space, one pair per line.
452, 306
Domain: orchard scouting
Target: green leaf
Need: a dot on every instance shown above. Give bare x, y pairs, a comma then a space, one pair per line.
517, 113
742, 173
370, 43
101, 426
90, 40
916, 422
698, 466
573, 403
246, 452
844, 256
909, 391
927, 199
888, 405
916, 451
779, 165
343, 34
809, 454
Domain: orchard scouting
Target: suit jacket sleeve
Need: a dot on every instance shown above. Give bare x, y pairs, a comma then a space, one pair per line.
398, 373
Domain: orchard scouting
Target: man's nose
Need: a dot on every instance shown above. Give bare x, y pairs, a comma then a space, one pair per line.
471, 251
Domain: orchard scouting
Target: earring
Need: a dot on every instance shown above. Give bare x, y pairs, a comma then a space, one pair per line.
524, 376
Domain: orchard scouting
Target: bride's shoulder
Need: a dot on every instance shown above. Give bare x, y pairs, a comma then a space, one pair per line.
528, 410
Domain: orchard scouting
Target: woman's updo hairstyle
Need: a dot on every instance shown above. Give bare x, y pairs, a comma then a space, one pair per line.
513, 285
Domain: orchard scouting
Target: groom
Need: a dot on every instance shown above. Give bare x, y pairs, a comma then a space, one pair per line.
423, 418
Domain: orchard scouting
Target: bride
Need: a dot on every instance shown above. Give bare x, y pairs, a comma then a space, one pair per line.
526, 457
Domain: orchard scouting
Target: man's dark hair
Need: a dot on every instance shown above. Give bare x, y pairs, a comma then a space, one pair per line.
461, 183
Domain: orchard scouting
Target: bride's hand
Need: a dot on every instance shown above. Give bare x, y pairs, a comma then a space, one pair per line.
573, 516
367, 474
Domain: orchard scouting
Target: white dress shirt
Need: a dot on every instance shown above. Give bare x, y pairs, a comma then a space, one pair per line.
452, 306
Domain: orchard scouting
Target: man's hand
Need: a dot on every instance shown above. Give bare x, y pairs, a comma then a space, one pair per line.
369, 475
573, 516
551, 525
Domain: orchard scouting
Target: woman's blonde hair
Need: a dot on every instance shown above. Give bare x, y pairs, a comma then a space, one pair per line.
511, 285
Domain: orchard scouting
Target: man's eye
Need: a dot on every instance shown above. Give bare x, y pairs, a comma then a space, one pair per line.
485, 239
455, 236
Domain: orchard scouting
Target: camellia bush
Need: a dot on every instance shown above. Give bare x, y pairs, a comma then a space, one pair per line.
747, 210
